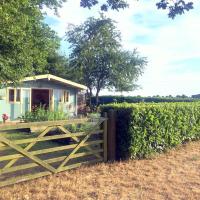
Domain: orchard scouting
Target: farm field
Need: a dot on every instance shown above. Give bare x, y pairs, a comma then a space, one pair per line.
172, 175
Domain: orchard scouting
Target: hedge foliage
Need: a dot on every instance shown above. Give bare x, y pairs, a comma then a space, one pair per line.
137, 99
147, 128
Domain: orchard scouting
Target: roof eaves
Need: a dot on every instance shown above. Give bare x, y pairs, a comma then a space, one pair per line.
56, 78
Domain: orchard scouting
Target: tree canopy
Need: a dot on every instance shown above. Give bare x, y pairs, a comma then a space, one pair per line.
58, 65
98, 60
25, 40
128, 68
176, 7
52, 4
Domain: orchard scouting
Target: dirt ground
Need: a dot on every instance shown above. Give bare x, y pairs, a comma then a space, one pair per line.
172, 175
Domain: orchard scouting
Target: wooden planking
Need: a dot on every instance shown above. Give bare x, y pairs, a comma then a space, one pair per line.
50, 150
45, 163
49, 161
78, 147
23, 178
47, 138
78, 155
73, 152
2, 145
12, 162
4, 148
27, 154
54, 137
76, 139
42, 174
47, 123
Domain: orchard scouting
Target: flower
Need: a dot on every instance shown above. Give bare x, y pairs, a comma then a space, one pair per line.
5, 117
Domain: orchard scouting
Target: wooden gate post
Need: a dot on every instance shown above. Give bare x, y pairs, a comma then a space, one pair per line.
111, 135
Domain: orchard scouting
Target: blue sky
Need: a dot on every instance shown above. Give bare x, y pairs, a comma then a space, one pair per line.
172, 47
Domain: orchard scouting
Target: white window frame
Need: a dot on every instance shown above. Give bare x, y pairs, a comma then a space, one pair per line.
64, 96
15, 96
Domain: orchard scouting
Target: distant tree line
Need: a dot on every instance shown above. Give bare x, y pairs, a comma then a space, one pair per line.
137, 99
196, 96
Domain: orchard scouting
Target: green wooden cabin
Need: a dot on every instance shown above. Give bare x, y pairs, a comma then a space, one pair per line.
46, 90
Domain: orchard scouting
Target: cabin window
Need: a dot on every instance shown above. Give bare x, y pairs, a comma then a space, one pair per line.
60, 96
66, 96
18, 95
14, 95
11, 95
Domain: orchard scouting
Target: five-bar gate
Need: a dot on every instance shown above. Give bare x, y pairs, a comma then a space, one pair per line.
60, 146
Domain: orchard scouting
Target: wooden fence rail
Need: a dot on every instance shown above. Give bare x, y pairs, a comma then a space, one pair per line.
52, 150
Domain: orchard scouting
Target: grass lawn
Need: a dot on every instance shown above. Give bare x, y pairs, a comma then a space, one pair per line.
173, 175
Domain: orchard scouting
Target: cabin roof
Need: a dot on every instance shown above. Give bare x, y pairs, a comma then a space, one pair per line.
55, 78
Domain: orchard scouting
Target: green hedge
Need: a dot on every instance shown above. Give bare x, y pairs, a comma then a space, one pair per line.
137, 99
146, 128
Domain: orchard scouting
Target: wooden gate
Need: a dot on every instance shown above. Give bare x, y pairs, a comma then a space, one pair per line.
60, 146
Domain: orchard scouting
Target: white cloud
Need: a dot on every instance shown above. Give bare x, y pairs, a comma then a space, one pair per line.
168, 41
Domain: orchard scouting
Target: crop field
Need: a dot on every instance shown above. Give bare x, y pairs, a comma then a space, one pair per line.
171, 175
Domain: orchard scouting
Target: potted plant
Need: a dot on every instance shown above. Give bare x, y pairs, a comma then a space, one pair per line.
4, 117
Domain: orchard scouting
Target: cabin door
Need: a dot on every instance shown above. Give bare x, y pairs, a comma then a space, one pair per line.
40, 97
26, 107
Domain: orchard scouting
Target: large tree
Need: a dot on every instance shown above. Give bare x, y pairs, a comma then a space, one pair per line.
98, 60
25, 40
174, 7
58, 65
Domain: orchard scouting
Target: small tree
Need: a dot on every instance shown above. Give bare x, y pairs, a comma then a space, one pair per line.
97, 59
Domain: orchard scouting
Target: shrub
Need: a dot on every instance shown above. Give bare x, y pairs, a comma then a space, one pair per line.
42, 114
146, 128
94, 115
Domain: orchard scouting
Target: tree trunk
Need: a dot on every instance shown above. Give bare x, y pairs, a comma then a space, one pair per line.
89, 94
97, 98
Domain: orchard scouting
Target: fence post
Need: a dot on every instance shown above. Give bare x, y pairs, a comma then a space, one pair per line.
111, 135
105, 138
